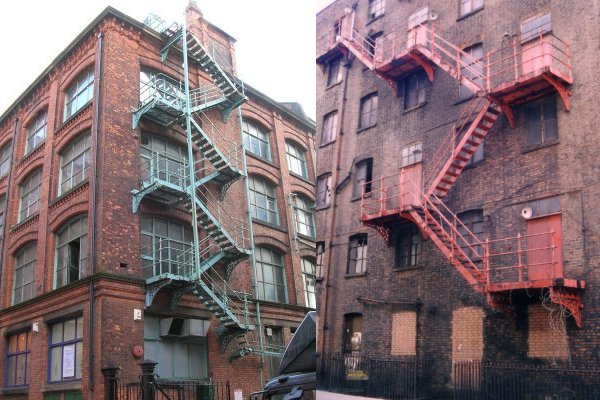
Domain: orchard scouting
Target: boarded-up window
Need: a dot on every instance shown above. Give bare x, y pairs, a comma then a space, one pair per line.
547, 334
467, 334
404, 333
536, 26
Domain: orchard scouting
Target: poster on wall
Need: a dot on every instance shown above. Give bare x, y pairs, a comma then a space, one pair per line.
69, 361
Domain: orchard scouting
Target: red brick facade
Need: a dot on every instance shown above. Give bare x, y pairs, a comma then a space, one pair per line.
116, 47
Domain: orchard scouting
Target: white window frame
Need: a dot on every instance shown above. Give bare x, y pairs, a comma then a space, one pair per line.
67, 179
79, 93
36, 132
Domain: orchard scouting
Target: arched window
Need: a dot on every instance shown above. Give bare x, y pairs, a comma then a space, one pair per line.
296, 158
30, 195
24, 273
256, 141
270, 275
263, 203
74, 163
154, 84
309, 277
79, 93
163, 159
36, 132
71, 251
166, 246
303, 213
5, 158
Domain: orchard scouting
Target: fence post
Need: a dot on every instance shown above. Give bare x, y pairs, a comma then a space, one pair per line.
148, 379
110, 381
228, 390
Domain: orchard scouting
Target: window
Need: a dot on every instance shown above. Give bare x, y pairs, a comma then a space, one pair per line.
408, 246
177, 358
274, 339
543, 207
372, 43
368, 111
256, 141
166, 245
263, 204
352, 333
473, 221
334, 72
376, 8
24, 270
309, 278
469, 6
30, 195
270, 275
320, 254
66, 350
357, 254
305, 222
536, 26
541, 120
74, 163
36, 132
71, 251
472, 60
329, 128
296, 158
479, 154
17, 360
79, 93
163, 159
63, 396
414, 90
323, 190
418, 17
412, 154
2, 214
5, 158
363, 177
154, 84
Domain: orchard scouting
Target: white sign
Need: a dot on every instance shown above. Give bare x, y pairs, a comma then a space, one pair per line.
137, 314
69, 361
238, 394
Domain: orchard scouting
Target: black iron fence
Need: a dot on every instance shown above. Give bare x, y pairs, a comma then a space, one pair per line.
363, 375
476, 380
151, 388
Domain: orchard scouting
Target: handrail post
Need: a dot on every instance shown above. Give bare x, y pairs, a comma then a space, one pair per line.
383, 195
486, 261
401, 190
553, 254
488, 78
515, 59
362, 199
519, 257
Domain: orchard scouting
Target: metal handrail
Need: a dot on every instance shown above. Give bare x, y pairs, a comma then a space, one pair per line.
230, 149
164, 88
158, 167
205, 94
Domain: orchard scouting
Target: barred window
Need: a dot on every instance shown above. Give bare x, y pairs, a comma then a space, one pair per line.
256, 141
30, 195
74, 163
357, 254
36, 132
263, 203
24, 272
296, 158
71, 251
270, 275
79, 93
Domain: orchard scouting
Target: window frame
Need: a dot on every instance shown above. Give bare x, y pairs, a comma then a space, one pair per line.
280, 288
324, 193
75, 342
253, 131
174, 165
472, 9
309, 273
410, 259
358, 265
320, 252
84, 155
544, 123
5, 158
260, 187
26, 213
79, 88
296, 157
39, 124
352, 321
367, 118
463, 92
375, 9
3, 206
17, 354
420, 89
363, 172
474, 221
334, 75
330, 128
82, 219
303, 208
25, 263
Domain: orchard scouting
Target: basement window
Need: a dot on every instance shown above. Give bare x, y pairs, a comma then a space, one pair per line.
71, 251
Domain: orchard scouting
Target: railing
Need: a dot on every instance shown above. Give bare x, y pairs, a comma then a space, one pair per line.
164, 167
230, 149
235, 301
204, 94
475, 380
375, 376
165, 89
328, 40
237, 228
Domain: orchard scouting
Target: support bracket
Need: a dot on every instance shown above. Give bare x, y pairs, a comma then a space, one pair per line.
501, 302
384, 232
153, 288
569, 299
561, 88
429, 70
507, 110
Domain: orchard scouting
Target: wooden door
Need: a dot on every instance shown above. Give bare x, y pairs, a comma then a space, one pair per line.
410, 185
544, 255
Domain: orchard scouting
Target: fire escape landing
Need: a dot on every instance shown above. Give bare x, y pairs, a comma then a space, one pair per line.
526, 69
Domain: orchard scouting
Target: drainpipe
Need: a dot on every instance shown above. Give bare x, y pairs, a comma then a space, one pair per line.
9, 178
252, 258
331, 222
94, 183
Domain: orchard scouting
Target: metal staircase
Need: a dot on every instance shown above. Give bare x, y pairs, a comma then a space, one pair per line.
212, 164
500, 80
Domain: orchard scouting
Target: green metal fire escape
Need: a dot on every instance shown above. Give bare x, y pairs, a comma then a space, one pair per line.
219, 238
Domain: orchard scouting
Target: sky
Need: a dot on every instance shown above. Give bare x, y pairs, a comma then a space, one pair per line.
275, 46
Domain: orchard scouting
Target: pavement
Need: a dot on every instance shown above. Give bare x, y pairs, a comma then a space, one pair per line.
322, 395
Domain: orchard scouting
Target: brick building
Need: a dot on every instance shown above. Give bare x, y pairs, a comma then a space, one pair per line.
99, 256
412, 201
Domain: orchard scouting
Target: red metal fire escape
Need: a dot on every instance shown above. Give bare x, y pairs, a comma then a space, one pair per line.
516, 74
